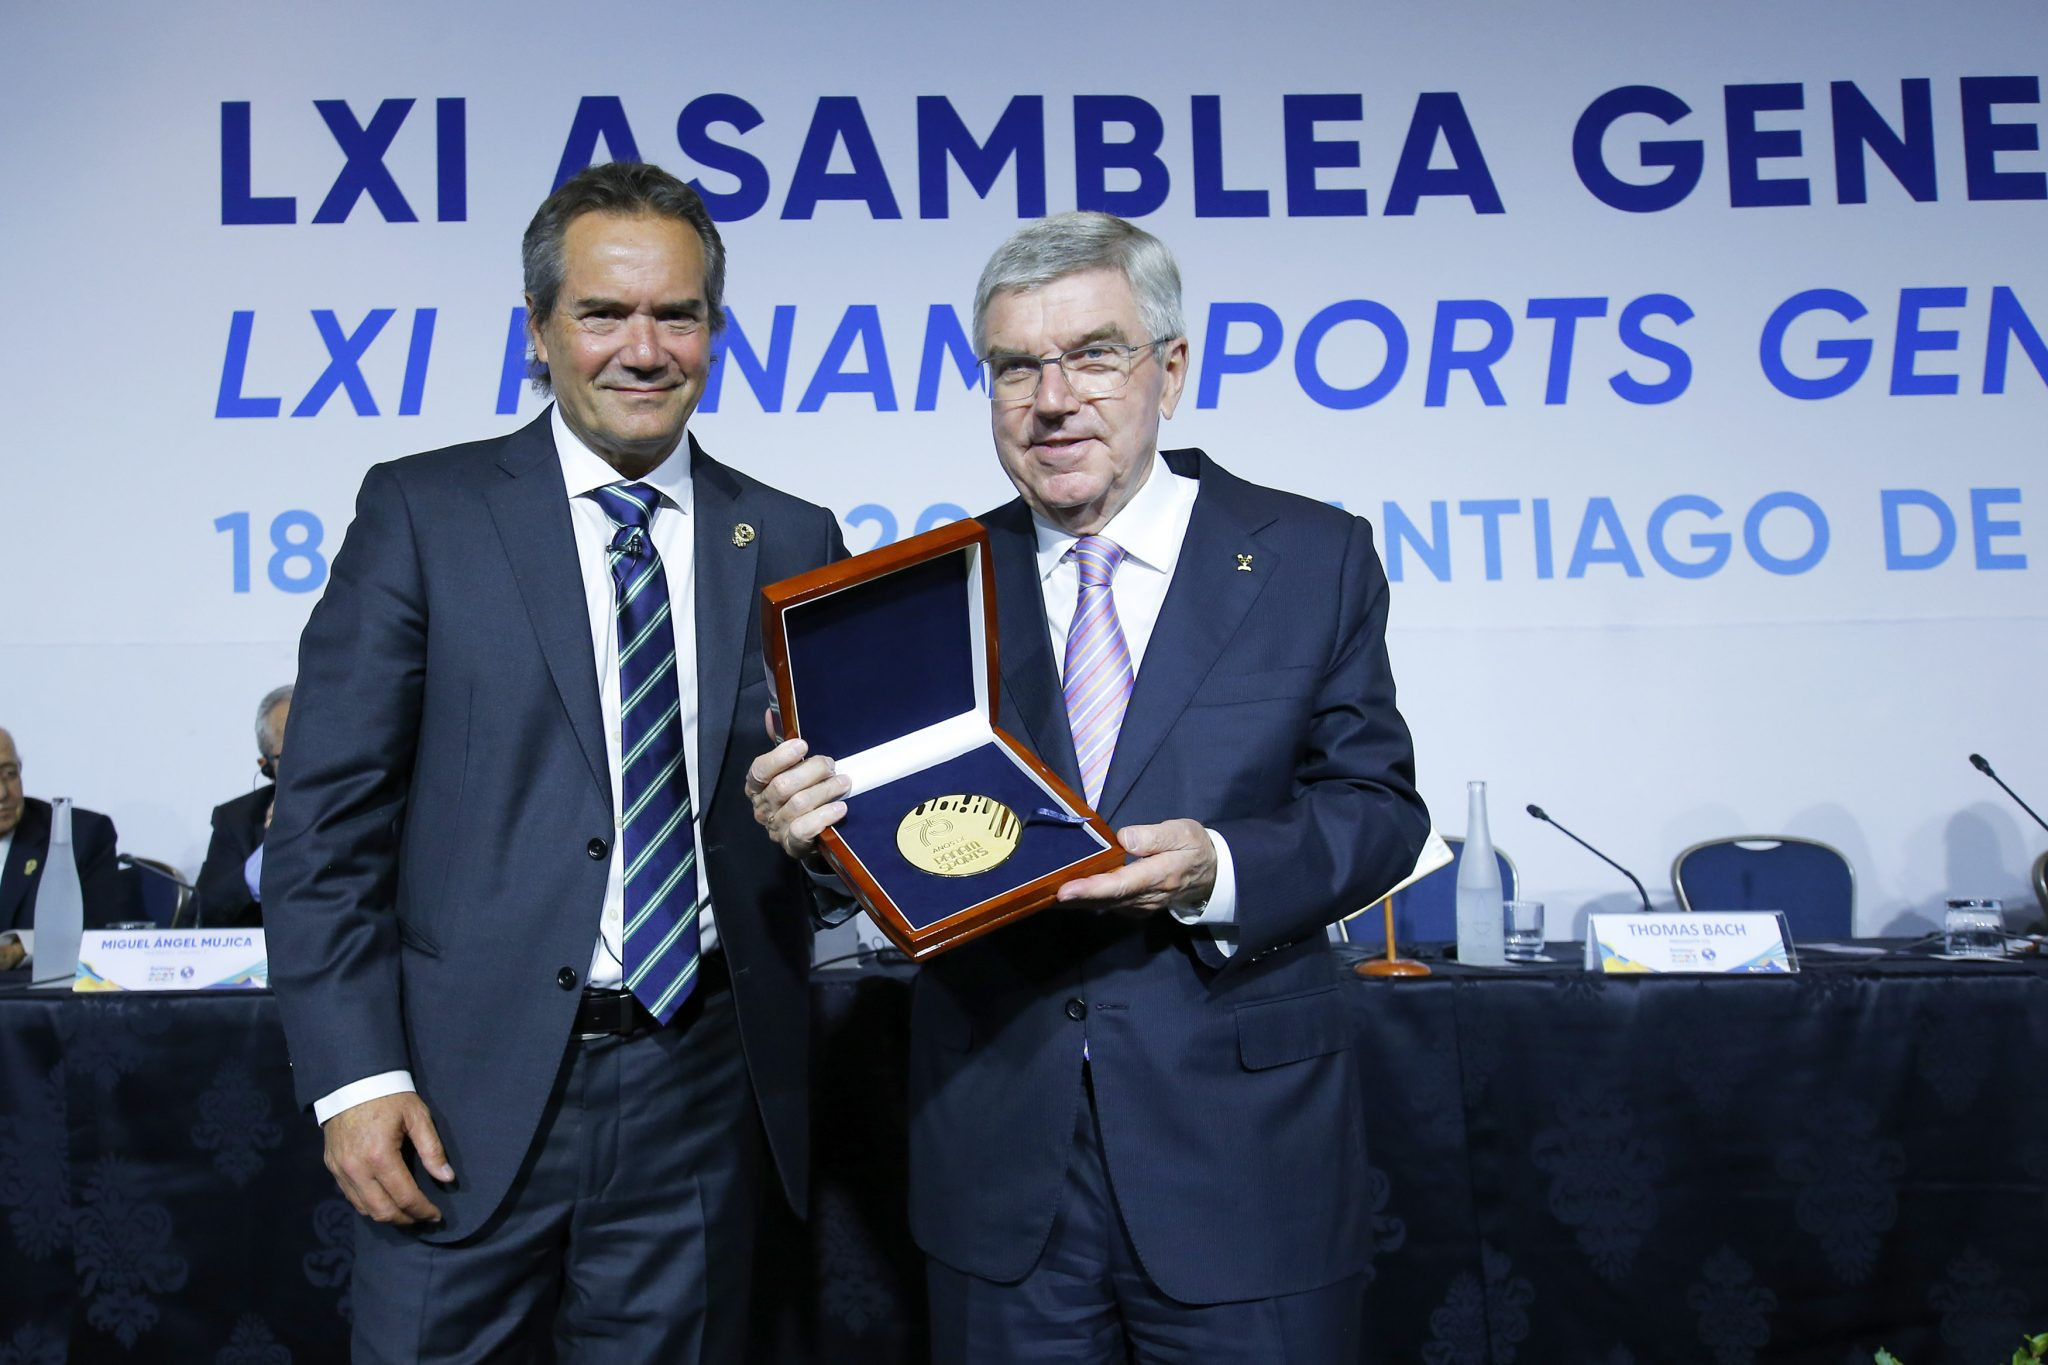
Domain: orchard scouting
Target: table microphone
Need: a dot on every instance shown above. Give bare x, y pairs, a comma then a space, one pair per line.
1977, 762
1538, 812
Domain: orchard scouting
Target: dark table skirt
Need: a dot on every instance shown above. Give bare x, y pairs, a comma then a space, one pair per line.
1571, 1171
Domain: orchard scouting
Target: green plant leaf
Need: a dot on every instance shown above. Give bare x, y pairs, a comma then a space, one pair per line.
1885, 1357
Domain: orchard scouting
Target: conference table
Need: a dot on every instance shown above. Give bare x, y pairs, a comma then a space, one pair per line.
1570, 1169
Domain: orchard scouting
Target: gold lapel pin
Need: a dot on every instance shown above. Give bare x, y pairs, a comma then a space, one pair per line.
30, 870
1244, 563
742, 534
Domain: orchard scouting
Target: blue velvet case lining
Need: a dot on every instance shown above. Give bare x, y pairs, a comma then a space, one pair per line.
926, 898
884, 659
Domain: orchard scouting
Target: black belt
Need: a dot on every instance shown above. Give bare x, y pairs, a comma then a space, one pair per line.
606, 1013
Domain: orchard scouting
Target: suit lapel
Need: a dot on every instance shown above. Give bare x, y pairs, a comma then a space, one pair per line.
31, 840
1030, 678
727, 603
531, 510
1205, 605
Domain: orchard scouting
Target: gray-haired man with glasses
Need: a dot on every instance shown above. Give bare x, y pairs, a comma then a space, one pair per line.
229, 880
1135, 1117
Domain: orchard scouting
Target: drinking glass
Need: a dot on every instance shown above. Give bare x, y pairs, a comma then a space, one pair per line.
1522, 922
1973, 927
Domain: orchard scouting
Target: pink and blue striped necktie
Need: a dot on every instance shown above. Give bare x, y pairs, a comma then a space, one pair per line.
1098, 668
660, 847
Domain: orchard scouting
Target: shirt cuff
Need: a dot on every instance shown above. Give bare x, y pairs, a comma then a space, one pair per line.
362, 1092
1218, 914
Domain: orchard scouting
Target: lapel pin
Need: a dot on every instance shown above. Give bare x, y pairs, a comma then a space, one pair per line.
1244, 563
742, 534
30, 870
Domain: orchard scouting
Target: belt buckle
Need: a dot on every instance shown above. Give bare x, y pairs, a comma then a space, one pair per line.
615, 1008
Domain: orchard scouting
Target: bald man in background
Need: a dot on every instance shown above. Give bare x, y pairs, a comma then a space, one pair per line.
25, 850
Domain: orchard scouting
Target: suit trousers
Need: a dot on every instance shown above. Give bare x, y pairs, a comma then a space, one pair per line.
1088, 1300
628, 1233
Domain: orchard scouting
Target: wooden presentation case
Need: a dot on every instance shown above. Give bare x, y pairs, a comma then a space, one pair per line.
887, 663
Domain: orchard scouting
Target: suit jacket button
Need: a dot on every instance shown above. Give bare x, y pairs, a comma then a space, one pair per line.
566, 978
597, 849
1077, 1009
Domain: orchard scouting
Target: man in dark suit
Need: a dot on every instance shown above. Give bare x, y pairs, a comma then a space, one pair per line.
25, 850
234, 855
1135, 1118
514, 993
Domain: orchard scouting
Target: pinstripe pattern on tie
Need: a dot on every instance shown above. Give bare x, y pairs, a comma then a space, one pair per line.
657, 841
1097, 676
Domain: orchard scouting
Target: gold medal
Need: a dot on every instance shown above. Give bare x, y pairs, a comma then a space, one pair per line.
958, 836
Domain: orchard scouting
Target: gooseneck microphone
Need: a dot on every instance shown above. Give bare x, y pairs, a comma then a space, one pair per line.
1977, 762
130, 860
1538, 812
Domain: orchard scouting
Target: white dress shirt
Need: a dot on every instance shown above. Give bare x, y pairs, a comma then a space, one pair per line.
1150, 529
583, 471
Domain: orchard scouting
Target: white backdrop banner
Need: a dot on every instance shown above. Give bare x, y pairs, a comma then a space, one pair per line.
1690, 362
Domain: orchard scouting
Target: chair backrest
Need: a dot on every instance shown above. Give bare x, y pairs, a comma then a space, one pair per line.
1427, 912
163, 903
2041, 882
1808, 880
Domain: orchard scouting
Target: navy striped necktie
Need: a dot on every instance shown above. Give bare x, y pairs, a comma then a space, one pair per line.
660, 847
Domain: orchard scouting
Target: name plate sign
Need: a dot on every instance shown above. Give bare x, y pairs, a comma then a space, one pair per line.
1703, 941
172, 960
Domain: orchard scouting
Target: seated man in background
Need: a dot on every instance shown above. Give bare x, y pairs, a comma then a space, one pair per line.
234, 857
25, 847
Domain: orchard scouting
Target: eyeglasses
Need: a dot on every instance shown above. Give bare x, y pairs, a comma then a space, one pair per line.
1095, 370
